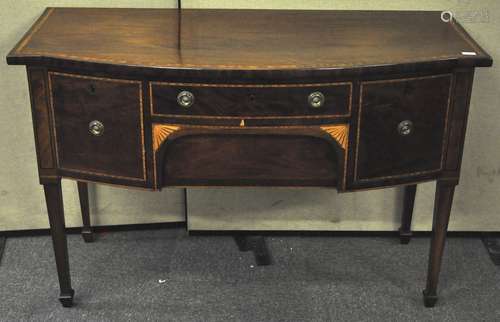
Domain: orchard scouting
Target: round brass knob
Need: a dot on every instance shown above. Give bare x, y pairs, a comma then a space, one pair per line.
96, 128
405, 128
185, 99
316, 99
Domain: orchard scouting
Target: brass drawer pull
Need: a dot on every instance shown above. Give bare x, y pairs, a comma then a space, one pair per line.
185, 99
405, 128
96, 128
316, 99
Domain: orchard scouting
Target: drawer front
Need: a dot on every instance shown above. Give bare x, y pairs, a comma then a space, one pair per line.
98, 126
259, 101
250, 159
402, 127
197, 155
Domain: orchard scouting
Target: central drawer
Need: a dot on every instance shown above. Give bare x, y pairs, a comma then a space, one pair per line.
223, 159
247, 101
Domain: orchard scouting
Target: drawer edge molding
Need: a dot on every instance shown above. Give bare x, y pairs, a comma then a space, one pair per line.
161, 132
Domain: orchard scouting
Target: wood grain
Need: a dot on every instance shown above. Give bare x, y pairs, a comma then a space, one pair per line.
41, 117
247, 159
245, 40
76, 100
263, 101
381, 152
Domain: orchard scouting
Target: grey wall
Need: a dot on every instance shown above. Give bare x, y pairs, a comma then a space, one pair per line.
477, 198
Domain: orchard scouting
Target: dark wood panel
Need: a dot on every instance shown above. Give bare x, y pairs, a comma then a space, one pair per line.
251, 100
382, 152
37, 78
458, 118
246, 40
239, 159
117, 104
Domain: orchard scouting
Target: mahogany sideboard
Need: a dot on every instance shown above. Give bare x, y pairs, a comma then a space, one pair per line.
154, 98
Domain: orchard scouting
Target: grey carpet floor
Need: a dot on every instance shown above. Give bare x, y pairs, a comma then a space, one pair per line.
165, 275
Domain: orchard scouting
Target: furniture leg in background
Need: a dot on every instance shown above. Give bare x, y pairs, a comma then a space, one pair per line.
442, 208
53, 198
257, 244
405, 233
83, 194
492, 244
3, 239
185, 197
243, 243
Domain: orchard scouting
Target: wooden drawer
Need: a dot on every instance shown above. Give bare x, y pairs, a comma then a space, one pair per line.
118, 151
259, 101
250, 159
402, 127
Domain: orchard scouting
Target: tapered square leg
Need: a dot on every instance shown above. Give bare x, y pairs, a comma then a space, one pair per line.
405, 232
66, 299
442, 208
430, 300
53, 198
83, 194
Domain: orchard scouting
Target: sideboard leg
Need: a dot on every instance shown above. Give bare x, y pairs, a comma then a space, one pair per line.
83, 194
243, 243
53, 198
185, 197
405, 233
258, 245
2, 246
442, 208
261, 252
491, 243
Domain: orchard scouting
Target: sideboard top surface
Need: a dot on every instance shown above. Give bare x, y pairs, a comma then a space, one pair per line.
246, 39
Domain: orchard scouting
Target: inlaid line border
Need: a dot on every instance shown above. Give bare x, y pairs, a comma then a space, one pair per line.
180, 127
223, 85
141, 111
38, 25
445, 134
